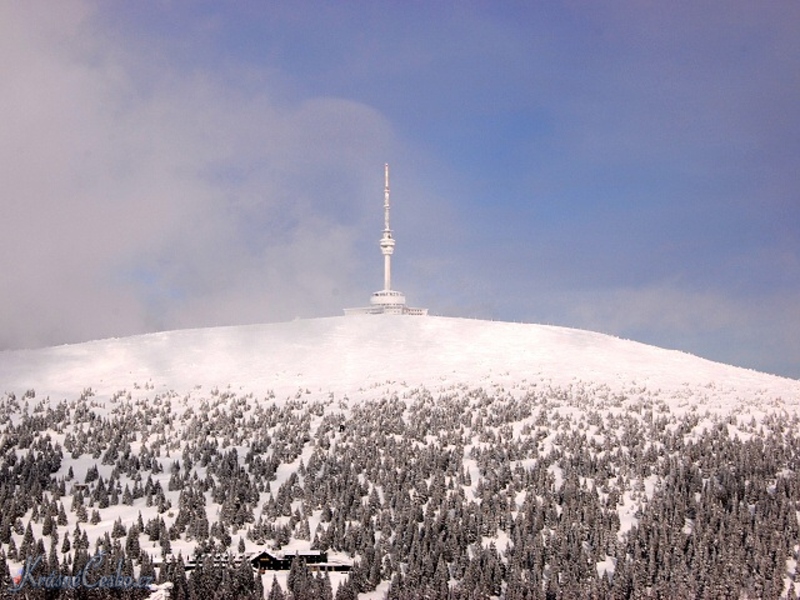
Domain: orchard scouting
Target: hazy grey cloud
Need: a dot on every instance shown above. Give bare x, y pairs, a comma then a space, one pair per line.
735, 329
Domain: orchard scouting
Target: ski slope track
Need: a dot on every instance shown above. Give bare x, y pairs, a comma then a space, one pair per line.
363, 356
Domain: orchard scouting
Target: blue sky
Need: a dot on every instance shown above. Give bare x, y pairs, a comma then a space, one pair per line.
626, 167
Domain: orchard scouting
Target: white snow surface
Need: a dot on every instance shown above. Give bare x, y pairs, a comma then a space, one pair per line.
353, 355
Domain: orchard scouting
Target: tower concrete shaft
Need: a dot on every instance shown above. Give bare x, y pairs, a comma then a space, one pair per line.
387, 241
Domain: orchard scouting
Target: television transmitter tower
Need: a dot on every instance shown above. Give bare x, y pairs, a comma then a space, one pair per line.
387, 300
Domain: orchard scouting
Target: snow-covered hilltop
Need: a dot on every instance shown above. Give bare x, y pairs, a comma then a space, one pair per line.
349, 355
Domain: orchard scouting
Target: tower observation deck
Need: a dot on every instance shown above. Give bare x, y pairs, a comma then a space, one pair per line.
387, 300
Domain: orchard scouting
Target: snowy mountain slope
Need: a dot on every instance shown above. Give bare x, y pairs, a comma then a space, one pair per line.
442, 458
347, 354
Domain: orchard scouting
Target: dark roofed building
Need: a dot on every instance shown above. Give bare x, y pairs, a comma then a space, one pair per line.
316, 560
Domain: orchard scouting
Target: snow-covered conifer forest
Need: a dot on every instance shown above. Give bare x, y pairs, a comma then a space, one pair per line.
440, 458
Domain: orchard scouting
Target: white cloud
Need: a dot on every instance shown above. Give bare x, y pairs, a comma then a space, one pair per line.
184, 201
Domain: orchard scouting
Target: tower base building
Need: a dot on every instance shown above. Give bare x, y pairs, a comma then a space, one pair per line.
386, 301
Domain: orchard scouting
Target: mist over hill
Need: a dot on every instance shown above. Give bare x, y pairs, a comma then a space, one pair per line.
442, 458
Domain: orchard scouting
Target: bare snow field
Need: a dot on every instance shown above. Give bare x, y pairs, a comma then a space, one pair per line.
348, 355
